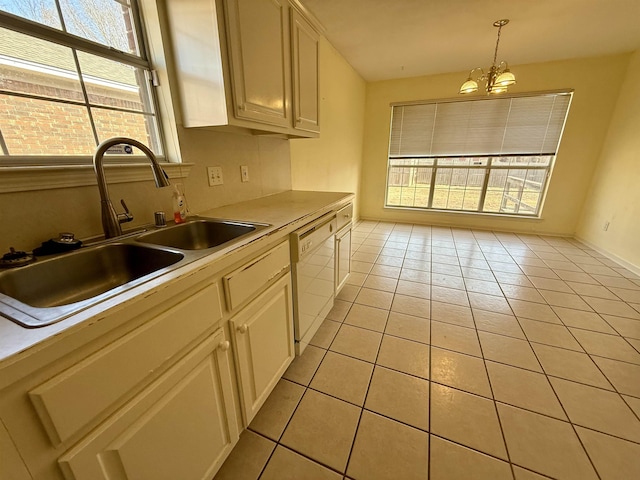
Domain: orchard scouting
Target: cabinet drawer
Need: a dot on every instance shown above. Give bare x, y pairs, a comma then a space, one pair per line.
72, 399
247, 281
344, 215
182, 426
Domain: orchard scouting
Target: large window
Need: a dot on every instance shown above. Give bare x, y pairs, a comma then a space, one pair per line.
491, 155
72, 74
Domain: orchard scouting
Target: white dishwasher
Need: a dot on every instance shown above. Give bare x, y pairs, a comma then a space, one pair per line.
313, 271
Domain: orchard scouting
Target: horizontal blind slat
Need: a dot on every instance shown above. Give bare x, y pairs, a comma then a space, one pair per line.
492, 126
411, 130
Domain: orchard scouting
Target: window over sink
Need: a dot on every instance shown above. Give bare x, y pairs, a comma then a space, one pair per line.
485, 155
72, 74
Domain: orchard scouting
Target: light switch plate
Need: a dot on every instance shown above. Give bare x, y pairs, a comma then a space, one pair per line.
214, 175
244, 173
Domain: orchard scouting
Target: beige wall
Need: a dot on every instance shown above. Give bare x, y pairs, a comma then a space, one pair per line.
333, 161
596, 82
29, 218
614, 195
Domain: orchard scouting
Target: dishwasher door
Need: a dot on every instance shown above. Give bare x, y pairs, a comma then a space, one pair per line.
313, 269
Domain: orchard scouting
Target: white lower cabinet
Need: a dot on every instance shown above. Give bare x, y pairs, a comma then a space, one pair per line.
109, 374
263, 344
11, 465
182, 426
343, 257
344, 218
158, 397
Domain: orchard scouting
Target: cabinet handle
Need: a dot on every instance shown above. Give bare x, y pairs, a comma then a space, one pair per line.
243, 328
224, 346
277, 273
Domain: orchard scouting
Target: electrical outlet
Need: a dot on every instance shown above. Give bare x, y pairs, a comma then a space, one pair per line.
214, 174
244, 173
605, 227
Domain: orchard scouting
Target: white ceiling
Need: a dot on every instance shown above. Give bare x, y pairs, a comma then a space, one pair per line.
385, 39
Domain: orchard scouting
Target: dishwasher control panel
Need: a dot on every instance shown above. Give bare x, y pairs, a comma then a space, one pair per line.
312, 236
305, 246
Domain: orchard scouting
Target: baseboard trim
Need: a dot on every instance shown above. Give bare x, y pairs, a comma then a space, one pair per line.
611, 256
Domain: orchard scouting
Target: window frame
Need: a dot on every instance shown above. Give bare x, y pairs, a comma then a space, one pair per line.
59, 37
488, 166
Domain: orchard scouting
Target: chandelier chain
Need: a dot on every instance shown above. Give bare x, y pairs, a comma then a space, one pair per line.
495, 54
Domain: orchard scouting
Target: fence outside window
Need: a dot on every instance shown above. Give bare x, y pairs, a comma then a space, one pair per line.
511, 185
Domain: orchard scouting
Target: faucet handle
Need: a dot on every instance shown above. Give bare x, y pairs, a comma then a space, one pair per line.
126, 216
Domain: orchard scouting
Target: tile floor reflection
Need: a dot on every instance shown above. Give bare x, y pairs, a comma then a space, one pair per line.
461, 354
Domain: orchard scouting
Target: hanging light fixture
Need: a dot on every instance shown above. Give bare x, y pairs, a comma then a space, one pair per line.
498, 79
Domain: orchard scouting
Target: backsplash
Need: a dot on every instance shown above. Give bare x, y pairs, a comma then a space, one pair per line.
29, 218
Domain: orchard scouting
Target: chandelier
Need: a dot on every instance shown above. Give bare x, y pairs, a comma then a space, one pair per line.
498, 78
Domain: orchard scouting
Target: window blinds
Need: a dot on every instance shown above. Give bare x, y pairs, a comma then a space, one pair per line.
522, 125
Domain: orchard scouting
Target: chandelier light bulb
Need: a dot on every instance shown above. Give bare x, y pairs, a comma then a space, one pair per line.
506, 79
470, 86
497, 89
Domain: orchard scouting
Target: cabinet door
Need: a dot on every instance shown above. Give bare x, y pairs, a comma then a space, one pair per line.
305, 53
182, 426
263, 341
11, 465
109, 374
343, 258
258, 42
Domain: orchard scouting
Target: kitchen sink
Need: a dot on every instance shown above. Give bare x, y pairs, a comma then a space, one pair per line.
49, 290
200, 234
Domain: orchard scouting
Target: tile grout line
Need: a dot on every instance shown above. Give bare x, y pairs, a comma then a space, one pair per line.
558, 399
388, 234
469, 393
430, 363
615, 389
495, 404
353, 442
306, 388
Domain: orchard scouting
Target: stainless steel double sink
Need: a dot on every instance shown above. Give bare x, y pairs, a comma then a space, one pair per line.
52, 289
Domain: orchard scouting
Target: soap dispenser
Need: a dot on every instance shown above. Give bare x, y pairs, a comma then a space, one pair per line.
179, 205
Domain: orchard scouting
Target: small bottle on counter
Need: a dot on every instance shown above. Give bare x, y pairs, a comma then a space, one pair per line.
179, 206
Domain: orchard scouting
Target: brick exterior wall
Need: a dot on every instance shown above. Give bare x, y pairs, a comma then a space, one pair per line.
39, 127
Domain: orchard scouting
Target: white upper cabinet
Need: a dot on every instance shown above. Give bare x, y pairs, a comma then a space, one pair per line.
305, 43
246, 63
260, 63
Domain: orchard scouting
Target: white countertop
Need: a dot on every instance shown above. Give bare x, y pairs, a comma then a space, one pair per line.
285, 212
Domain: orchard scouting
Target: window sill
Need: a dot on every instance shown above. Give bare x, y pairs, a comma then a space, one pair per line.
461, 212
24, 179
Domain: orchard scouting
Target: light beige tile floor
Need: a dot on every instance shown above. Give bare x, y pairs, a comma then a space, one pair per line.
461, 354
